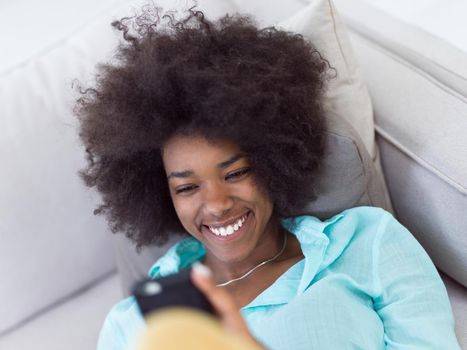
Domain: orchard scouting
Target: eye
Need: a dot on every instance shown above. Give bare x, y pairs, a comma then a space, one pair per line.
185, 189
237, 174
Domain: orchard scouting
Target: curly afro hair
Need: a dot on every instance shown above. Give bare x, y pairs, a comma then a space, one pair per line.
224, 79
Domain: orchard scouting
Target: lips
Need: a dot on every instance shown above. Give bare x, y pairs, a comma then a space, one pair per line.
227, 230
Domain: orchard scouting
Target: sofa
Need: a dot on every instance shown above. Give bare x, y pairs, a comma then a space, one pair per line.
61, 267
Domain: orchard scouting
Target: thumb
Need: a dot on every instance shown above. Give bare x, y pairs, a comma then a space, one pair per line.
221, 301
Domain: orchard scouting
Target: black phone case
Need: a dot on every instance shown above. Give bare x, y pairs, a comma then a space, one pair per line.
175, 290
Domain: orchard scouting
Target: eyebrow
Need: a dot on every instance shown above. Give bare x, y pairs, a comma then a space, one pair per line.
221, 165
230, 161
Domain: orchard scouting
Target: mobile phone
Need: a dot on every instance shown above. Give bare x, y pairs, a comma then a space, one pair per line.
174, 290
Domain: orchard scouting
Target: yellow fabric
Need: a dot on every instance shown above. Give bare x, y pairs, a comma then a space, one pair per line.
189, 329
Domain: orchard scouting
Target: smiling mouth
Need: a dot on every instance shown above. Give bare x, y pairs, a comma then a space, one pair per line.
229, 230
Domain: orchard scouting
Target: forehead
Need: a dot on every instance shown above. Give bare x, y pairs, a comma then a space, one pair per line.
182, 150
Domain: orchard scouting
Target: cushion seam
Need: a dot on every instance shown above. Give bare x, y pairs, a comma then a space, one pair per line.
334, 29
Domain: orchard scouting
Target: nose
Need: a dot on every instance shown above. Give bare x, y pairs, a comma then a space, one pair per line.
217, 200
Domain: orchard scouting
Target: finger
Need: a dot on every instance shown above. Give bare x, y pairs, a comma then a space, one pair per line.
222, 302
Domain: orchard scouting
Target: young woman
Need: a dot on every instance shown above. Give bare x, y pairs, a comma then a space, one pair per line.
216, 130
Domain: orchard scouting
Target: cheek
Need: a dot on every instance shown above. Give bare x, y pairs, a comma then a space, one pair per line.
261, 202
265, 205
249, 191
185, 212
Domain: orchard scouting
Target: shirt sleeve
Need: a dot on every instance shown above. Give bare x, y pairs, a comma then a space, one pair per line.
411, 298
122, 327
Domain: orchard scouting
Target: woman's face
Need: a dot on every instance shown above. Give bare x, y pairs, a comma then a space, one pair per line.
215, 196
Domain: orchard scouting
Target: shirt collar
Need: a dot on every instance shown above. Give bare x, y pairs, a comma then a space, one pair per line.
180, 256
314, 240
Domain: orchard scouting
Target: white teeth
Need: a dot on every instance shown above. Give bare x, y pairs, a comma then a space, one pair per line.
228, 230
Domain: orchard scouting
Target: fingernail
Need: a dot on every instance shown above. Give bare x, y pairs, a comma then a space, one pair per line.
201, 269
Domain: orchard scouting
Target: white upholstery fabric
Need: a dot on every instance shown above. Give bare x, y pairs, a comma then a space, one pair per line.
73, 324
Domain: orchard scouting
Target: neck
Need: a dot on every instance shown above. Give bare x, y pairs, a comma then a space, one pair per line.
270, 244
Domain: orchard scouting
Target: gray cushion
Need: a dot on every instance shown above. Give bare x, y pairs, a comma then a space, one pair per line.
348, 179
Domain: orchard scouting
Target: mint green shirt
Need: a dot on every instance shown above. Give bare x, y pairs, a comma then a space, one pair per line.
365, 283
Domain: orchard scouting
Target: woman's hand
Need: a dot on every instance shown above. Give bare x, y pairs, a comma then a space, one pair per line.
222, 302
